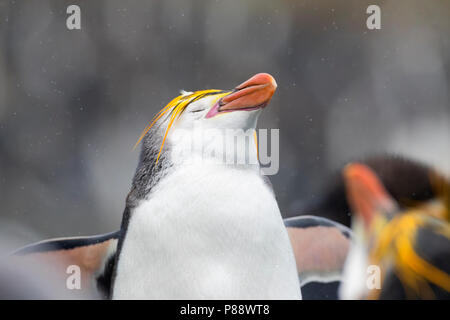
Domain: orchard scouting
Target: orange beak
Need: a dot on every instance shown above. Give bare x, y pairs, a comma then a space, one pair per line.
253, 94
365, 192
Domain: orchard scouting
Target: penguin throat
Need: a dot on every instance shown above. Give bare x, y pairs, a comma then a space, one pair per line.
217, 146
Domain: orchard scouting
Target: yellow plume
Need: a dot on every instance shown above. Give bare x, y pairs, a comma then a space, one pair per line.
175, 108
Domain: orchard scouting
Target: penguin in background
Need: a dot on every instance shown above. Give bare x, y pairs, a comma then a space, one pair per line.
408, 250
195, 227
406, 180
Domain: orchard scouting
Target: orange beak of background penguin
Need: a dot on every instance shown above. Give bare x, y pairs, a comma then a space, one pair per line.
365, 192
253, 94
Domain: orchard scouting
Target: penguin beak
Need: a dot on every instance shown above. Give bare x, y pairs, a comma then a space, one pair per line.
253, 94
365, 192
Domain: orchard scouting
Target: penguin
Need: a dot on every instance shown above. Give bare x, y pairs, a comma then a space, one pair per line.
196, 227
406, 252
200, 220
406, 180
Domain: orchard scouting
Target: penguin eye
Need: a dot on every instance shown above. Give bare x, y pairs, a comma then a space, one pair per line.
196, 110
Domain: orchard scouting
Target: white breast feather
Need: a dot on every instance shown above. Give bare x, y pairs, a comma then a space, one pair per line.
207, 233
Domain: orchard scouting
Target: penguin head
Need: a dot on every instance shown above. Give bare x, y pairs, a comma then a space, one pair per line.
204, 118
391, 241
195, 122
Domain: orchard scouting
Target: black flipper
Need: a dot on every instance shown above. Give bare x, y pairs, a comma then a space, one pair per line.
320, 247
94, 255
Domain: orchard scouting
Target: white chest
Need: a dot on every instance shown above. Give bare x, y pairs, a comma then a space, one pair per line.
213, 235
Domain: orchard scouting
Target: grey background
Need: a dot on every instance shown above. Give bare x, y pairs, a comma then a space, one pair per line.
72, 103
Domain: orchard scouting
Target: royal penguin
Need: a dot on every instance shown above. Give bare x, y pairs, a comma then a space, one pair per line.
201, 221
397, 252
406, 180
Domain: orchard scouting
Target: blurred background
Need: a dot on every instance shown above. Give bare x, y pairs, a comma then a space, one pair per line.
73, 103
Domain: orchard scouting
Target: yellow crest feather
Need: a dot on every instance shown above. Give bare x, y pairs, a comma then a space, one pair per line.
174, 108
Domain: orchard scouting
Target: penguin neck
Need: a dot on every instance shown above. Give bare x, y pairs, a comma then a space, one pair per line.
223, 148
202, 149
